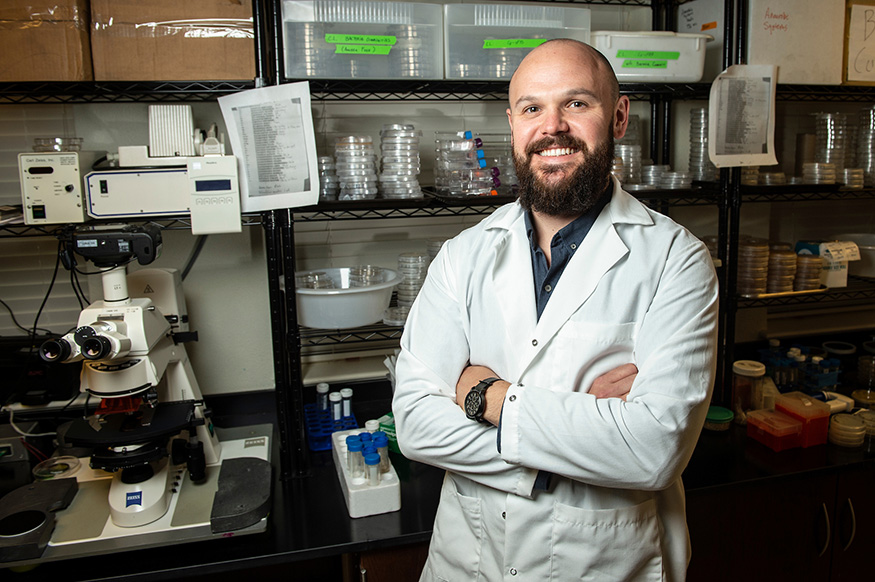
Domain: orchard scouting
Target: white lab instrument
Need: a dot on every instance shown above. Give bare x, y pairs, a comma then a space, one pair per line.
51, 188
214, 196
124, 193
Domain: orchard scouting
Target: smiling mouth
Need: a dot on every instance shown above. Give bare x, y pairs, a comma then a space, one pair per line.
556, 152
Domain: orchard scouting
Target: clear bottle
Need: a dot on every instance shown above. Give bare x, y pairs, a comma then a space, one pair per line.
372, 466
381, 441
747, 381
322, 396
346, 396
355, 461
336, 405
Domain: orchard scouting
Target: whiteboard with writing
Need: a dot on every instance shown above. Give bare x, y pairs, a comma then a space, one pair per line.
861, 44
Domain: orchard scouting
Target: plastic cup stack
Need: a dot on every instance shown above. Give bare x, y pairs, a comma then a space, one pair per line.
356, 169
782, 271
328, 181
413, 267
400, 166
818, 173
701, 167
808, 270
833, 139
753, 267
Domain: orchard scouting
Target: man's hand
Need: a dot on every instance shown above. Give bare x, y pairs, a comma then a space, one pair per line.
616, 383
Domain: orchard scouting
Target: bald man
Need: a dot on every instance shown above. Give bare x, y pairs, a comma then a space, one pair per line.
559, 358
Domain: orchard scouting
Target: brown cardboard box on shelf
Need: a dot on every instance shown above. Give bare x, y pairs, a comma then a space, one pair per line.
44, 41
172, 40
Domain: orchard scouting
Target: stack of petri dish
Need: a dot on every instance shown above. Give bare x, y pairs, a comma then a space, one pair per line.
314, 280
433, 247
365, 275
753, 266
400, 163
411, 55
413, 267
847, 430
772, 178
356, 168
631, 156
832, 139
328, 181
868, 417
853, 178
782, 270
866, 144
808, 271
701, 167
460, 166
652, 174
676, 180
819, 173
618, 170
750, 175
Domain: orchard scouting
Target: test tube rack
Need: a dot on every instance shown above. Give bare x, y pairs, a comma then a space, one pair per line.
361, 498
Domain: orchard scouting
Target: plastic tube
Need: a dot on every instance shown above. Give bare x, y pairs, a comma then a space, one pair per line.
372, 464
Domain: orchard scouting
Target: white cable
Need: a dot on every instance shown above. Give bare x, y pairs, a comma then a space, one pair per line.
11, 412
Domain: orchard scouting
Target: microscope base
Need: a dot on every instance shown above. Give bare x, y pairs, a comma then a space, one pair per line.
85, 527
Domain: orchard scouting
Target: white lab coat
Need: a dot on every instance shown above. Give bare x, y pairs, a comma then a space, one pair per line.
640, 289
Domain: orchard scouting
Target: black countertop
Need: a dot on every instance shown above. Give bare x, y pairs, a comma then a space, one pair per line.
309, 519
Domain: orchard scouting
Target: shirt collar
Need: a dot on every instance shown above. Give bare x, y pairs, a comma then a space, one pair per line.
573, 232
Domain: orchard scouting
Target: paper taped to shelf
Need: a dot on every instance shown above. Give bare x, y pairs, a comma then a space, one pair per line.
741, 129
271, 132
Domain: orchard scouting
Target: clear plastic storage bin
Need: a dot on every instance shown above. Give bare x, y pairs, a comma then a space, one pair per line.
345, 39
653, 57
488, 41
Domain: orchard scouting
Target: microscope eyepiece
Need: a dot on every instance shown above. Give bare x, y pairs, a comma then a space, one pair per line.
55, 350
96, 348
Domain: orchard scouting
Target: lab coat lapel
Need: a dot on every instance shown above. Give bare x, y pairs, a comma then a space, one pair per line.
601, 249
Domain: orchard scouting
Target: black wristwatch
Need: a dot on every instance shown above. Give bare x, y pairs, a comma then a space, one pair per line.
475, 401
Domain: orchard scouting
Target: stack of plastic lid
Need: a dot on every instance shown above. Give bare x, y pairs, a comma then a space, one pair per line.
498, 153
631, 156
314, 280
853, 178
847, 430
833, 139
400, 167
651, 174
701, 167
750, 175
461, 167
676, 180
356, 168
866, 144
772, 178
433, 247
808, 271
753, 266
413, 267
782, 271
365, 275
818, 173
328, 181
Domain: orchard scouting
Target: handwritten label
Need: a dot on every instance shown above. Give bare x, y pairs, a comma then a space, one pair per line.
775, 21
644, 64
664, 55
361, 49
861, 43
502, 43
360, 39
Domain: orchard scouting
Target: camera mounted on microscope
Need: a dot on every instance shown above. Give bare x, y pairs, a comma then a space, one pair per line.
111, 245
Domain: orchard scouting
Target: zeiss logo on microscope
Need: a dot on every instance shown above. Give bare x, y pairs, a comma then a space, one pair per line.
135, 498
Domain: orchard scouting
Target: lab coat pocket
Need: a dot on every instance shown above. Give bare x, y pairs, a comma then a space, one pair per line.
595, 348
457, 535
607, 544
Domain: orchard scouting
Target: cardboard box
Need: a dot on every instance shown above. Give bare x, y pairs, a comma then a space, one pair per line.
836, 255
804, 40
169, 40
44, 41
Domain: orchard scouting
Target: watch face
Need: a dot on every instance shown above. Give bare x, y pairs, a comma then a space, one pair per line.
473, 404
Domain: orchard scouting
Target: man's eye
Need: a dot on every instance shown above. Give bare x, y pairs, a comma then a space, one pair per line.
577, 104
530, 109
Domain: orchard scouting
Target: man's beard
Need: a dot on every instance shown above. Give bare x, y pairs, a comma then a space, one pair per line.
577, 193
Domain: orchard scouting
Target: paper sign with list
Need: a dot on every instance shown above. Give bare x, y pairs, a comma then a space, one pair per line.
861, 43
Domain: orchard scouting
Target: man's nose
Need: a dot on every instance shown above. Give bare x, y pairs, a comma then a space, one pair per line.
554, 122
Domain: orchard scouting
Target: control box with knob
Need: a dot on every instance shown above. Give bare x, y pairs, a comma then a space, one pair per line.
51, 188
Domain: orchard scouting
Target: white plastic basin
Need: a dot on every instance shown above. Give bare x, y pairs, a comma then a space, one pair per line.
344, 306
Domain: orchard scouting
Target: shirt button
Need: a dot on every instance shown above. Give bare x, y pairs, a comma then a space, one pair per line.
534, 342
548, 288
573, 246
512, 397
513, 571
503, 515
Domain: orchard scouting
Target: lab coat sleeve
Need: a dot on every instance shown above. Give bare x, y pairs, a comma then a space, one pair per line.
645, 442
430, 426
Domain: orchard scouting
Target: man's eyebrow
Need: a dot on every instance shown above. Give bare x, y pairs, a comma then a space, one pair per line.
570, 93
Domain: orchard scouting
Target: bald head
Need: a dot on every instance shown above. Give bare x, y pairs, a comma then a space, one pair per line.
566, 51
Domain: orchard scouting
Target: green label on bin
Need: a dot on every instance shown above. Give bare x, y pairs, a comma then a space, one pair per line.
360, 39
502, 43
644, 64
361, 49
667, 55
